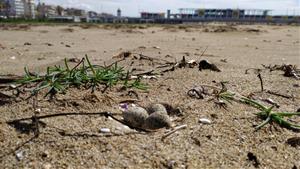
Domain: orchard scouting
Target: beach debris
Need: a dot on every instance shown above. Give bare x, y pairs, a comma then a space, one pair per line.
252, 30
224, 60
197, 92
156, 47
27, 44
156, 121
204, 64
272, 102
74, 60
48, 44
171, 164
122, 55
135, 116
184, 63
261, 81
294, 141
192, 63
157, 108
289, 70
253, 158
204, 121
175, 129
105, 130
68, 46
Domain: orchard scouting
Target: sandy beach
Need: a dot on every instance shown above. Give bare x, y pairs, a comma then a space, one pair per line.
76, 142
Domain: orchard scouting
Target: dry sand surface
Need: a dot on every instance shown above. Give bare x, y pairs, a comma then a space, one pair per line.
76, 141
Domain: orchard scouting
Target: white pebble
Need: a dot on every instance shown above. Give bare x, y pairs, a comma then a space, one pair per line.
105, 130
204, 121
13, 57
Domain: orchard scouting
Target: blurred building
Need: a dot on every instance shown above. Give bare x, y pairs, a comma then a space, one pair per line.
29, 9
151, 15
18, 8
92, 14
75, 12
44, 11
119, 13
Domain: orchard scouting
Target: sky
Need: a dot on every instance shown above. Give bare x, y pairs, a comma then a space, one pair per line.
134, 7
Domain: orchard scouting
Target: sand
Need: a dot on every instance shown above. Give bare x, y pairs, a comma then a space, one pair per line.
76, 141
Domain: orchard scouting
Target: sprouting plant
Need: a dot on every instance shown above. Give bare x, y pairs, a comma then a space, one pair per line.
267, 114
57, 79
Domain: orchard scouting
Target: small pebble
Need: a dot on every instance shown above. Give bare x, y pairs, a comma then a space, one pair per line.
105, 130
13, 57
204, 121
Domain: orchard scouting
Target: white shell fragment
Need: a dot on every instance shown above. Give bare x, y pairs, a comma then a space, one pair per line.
105, 130
204, 121
19, 155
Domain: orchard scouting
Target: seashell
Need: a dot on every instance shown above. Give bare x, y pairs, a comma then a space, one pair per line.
135, 116
157, 120
105, 130
204, 121
157, 108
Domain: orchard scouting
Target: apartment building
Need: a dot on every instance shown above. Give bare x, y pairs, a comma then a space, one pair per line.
21, 8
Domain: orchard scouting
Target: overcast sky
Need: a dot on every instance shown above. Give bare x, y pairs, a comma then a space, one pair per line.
133, 7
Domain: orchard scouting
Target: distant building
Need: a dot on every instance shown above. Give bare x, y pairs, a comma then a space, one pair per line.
45, 11
4, 8
92, 14
75, 12
119, 13
191, 13
151, 15
16, 8
29, 9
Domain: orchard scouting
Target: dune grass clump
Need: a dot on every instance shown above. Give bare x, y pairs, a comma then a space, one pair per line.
58, 79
